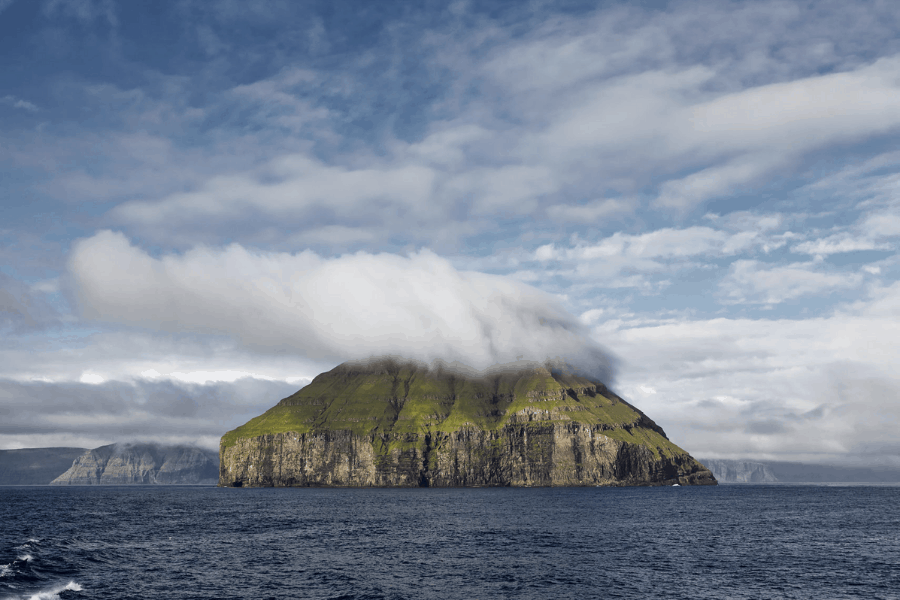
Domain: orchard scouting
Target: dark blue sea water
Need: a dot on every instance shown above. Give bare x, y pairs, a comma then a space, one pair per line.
704, 542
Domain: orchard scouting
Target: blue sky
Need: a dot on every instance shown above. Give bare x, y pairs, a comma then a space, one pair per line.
206, 203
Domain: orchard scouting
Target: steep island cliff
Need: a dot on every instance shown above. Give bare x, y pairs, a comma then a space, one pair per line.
404, 424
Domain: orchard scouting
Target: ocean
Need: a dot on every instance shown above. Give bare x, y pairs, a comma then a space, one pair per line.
737, 541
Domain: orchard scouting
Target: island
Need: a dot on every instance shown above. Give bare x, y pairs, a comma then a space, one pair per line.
400, 423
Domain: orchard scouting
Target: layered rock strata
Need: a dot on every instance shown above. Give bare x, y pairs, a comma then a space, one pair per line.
387, 423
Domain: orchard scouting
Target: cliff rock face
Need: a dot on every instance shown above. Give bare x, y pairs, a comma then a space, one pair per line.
387, 423
119, 464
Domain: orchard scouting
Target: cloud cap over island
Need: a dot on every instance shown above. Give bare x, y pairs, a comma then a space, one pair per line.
347, 307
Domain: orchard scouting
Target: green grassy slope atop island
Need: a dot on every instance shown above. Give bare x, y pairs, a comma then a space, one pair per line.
389, 422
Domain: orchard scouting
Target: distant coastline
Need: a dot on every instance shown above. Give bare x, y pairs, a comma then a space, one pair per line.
114, 464
759, 472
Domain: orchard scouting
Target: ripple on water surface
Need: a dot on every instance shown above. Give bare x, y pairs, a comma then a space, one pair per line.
705, 542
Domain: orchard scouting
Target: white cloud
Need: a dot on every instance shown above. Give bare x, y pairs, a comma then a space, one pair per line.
694, 189
610, 105
823, 389
637, 113
18, 102
558, 56
352, 306
507, 190
47, 286
672, 243
660, 244
300, 185
589, 212
772, 125
665, 118
274, 100
24, 308
882, 224
546, 252
91, 378
163, 410
884, 302
447, 146
872, 232
130, 354
620, 103
835, 244
83, 10
625, 260
202, 377
755, 282
589, 317
341, 236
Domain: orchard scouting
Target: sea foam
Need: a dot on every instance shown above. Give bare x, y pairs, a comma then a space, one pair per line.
54, 592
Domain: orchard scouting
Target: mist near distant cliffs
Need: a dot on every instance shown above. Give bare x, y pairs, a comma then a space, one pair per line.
347, 307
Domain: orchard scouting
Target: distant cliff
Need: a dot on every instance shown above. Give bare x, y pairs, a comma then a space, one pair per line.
740, 471
120, 464
390, 423
745, 471
35, 466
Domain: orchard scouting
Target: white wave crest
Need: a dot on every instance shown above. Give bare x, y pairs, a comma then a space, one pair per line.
25, 558
54, 592
5, 570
